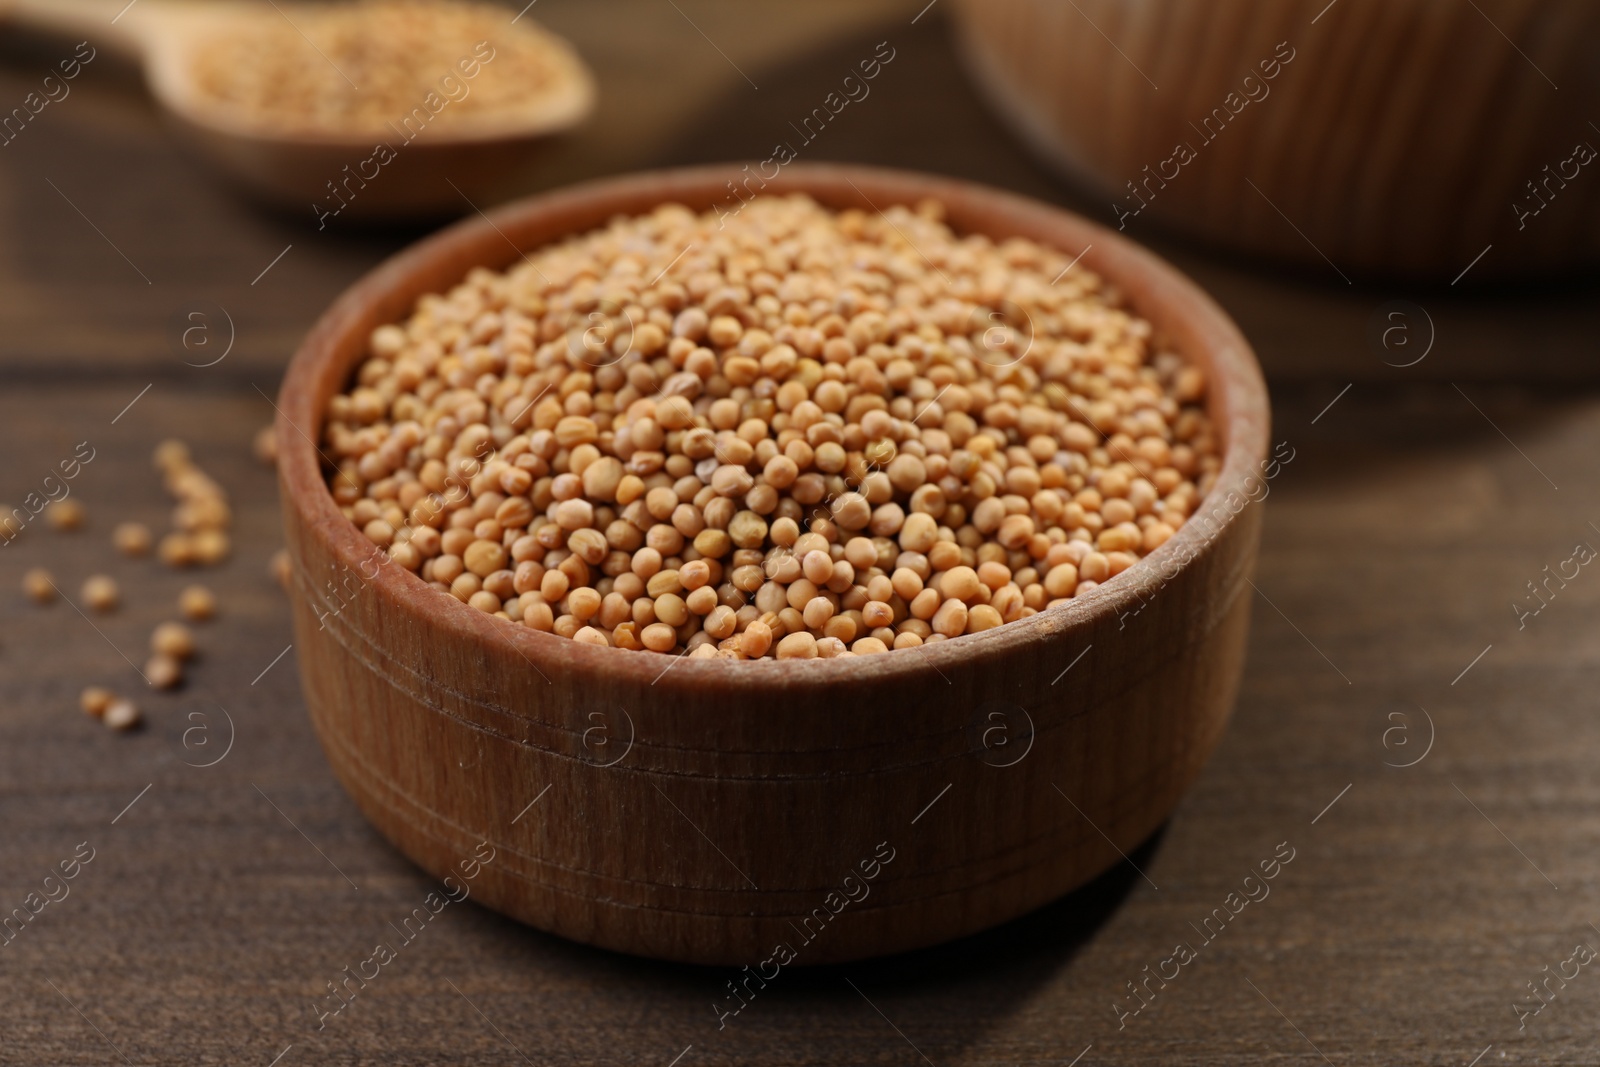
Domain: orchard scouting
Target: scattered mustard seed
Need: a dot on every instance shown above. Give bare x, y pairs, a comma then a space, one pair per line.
94, 700
172, 639
202, 515
38, 586
281, 568
211, 547
100, 593
265, 445
177, 550
131, 538
170, 454
197, 603
122, 714
163, 671
65, 515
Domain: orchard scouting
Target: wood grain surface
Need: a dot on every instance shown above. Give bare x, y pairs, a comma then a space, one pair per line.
217, 907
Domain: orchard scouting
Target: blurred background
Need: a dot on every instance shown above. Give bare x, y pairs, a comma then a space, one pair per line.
676, 85
1403, 219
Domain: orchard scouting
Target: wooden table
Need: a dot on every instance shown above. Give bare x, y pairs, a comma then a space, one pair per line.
221, 899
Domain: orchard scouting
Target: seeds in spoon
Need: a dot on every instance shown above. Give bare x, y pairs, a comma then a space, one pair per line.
358, 69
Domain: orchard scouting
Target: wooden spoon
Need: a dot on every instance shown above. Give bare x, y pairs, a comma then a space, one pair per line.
325, 171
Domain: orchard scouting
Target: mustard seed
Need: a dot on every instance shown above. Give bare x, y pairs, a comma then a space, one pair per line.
960, 583
100, 593
38, 586
757, 639
983, 617
264, 446
800, 645
94, 701
172, 639
590, 636
170, 455
211, 547
951, 619
177, 550
817, 612
197, 603
163, 671
583, 603
131, 538
659, 637
281, 567
484, 558
65, 515
122, 714
1061, 580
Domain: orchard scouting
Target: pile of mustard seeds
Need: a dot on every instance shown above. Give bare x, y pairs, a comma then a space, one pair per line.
784, 432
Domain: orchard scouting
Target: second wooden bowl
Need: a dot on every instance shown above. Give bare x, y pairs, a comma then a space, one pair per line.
771, 812
1383, 137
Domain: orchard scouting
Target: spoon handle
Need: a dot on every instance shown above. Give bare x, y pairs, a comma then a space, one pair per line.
118, 25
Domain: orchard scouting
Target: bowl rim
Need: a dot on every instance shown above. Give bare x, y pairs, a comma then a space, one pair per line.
1239, 408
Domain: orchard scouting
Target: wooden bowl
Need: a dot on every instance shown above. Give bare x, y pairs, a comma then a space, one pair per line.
708, 811
1399, 138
